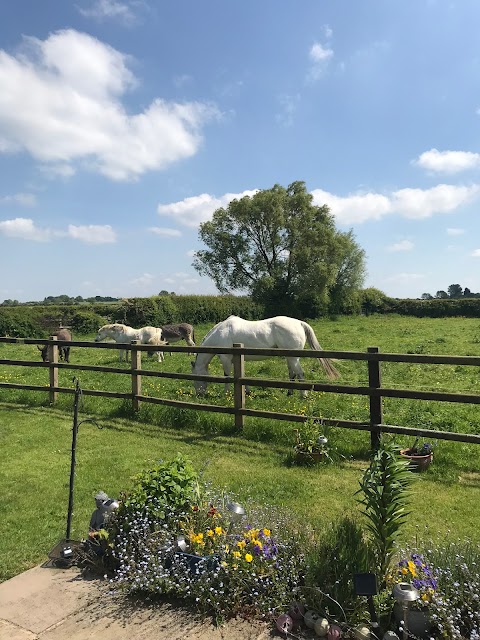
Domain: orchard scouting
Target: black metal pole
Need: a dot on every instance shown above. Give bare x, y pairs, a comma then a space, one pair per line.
72, 462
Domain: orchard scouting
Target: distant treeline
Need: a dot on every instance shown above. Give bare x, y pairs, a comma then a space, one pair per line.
58, 300
39, 321
454, 291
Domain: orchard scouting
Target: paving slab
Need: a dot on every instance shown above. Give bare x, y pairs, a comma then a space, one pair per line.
58, 604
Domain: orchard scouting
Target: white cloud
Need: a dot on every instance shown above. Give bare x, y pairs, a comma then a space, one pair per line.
61, 103
288, 107
423, 203
23, 199
320, 56
191, 253
476, 253
403, 245
455, 232
410, 203
92, 234
165, 232
354, 208
25, 229
182, 80
192, 211
404, 277
447, 161
110, 9
144, 280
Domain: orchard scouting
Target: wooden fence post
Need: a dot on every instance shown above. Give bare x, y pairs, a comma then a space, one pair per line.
238, 387
375, 380
53, 369
136, 363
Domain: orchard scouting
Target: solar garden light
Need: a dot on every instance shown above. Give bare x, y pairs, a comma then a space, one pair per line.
365, 584
182, 544
405, 593
237, 512
322, 441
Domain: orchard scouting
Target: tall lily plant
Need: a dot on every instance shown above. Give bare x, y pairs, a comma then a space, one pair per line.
384, 493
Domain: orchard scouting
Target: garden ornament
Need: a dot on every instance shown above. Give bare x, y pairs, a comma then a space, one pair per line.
311, 618
362, 632
405, 593
182, 544
104, 507
321, 627
284, 623
236, 510
297, 611
334, 632
322, 440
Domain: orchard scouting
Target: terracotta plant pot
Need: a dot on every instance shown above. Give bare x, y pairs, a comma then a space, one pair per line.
306, 456
417, 463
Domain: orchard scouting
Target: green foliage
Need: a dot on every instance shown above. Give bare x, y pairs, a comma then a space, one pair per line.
86, 322
283, 250
41, 321
226, 568
160, 310
384, 490
173, 484
342, 551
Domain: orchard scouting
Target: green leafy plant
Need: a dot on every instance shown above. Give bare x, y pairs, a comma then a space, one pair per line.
169, 486
384, 490
342, 551
313, 443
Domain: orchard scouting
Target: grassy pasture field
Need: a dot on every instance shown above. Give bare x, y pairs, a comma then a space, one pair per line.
35, 438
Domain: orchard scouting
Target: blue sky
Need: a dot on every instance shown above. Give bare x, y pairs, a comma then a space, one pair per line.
126, 123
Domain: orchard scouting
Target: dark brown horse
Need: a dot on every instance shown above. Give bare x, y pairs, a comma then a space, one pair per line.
63, 351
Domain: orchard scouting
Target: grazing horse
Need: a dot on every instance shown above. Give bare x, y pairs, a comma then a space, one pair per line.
123, 334
63, 352
176, 332
280, 332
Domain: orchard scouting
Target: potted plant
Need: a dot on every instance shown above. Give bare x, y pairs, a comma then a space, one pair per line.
420, 456
414, 571
310, 443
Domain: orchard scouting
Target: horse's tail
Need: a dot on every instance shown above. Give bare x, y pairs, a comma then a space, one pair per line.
313, 343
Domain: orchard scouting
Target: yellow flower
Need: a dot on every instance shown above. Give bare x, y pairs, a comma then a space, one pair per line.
404, 571
258, 544
242, 544
248, 557
210, 533
219, 531
266, 532
236, 554
412, 568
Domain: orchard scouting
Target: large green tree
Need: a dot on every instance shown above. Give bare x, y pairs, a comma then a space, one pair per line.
283, 250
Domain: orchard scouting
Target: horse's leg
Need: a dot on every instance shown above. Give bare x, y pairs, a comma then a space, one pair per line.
227, 368
295, 371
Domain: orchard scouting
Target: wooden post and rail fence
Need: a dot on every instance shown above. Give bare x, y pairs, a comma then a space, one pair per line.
373, 357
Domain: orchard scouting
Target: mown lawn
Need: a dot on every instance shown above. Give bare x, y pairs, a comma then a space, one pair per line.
35, 439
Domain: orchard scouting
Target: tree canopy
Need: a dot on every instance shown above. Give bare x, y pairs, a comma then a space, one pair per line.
282, 250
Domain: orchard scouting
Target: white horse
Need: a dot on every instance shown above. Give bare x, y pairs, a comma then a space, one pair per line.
280, 332
123, 334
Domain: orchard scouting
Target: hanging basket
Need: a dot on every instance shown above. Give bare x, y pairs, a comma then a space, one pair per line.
417, 463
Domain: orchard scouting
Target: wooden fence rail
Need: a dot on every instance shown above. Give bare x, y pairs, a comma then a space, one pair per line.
374, 390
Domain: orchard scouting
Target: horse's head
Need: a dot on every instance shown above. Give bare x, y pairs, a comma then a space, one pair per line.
102, 334
43, 352
200, 385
